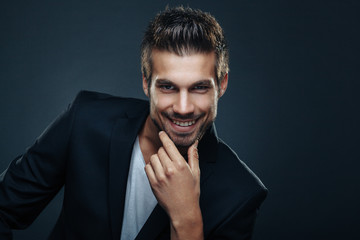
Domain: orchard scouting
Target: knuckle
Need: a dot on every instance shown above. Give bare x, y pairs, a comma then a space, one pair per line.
155, 184
195, 154
169, 171
147, 166
161, 180
153, 160
181, 165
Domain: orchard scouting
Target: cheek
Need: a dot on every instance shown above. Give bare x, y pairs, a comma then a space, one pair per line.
206, 103
153, 96
160, 101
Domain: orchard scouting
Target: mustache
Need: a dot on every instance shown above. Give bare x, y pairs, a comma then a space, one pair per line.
174, 115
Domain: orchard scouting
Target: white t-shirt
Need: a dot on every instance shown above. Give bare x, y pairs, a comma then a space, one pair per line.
140, 200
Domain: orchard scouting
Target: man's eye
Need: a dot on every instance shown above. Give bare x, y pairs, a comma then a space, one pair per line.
201, 88
166, 87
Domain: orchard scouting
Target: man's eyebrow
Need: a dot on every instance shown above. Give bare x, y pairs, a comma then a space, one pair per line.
163, 81
203, 82
199, 82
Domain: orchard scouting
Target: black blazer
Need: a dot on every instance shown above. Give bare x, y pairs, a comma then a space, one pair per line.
88, 148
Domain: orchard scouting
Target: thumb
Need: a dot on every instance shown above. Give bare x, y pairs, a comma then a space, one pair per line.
193, 156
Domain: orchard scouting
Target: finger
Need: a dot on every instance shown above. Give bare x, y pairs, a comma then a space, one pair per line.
157, 167
169, 146
193, 157
150, 174
166, 162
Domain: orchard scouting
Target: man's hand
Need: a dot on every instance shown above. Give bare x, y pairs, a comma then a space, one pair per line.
176, 185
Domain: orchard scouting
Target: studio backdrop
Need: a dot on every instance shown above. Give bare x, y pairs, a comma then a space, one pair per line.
291, 110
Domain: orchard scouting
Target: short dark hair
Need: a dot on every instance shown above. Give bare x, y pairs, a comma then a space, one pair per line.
185, 31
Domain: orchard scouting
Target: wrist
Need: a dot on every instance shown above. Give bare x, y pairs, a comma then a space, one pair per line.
187, 226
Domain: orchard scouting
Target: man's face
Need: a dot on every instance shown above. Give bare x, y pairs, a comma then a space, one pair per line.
183, 94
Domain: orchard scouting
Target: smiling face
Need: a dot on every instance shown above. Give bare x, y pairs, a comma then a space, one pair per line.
183, 94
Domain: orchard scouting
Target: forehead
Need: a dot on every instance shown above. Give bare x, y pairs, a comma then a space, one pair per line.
183, 69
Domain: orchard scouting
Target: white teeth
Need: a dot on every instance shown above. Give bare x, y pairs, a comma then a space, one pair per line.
184, 124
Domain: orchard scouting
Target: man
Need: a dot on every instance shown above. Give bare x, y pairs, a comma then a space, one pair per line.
131, 169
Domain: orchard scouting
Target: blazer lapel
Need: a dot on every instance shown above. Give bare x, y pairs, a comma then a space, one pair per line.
207, 153
122, 141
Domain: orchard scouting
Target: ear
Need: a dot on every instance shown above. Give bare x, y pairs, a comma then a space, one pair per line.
145, 86
223, 85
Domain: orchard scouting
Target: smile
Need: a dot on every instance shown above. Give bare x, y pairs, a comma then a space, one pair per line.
184, 124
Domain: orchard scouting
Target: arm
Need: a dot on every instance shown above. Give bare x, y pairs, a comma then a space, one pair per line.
240, 223
176, 185
34, 178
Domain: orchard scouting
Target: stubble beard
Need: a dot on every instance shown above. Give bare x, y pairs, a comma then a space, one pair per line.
182, 140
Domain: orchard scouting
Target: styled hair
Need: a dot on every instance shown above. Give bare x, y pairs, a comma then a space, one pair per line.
185, 31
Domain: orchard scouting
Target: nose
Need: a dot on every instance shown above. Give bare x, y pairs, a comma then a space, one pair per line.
183, 104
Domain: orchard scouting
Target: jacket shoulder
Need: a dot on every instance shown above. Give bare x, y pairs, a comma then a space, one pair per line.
237, 170
231, 196
85, 96
90, 102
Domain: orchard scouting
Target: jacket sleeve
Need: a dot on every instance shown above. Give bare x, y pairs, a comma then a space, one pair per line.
240, 224
34, 178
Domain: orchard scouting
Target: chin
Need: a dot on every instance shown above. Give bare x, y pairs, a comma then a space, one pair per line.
185, 140
182, 141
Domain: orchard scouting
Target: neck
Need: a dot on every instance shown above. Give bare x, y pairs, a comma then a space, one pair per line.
149, 139
183, 151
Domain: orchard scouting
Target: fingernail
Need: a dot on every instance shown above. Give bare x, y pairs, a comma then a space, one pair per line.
196, 143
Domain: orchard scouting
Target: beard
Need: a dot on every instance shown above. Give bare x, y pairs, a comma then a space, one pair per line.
182, 140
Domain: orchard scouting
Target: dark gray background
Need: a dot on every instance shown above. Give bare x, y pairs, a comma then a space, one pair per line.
290, 112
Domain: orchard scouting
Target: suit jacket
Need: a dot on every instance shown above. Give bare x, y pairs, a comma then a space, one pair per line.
88, 149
